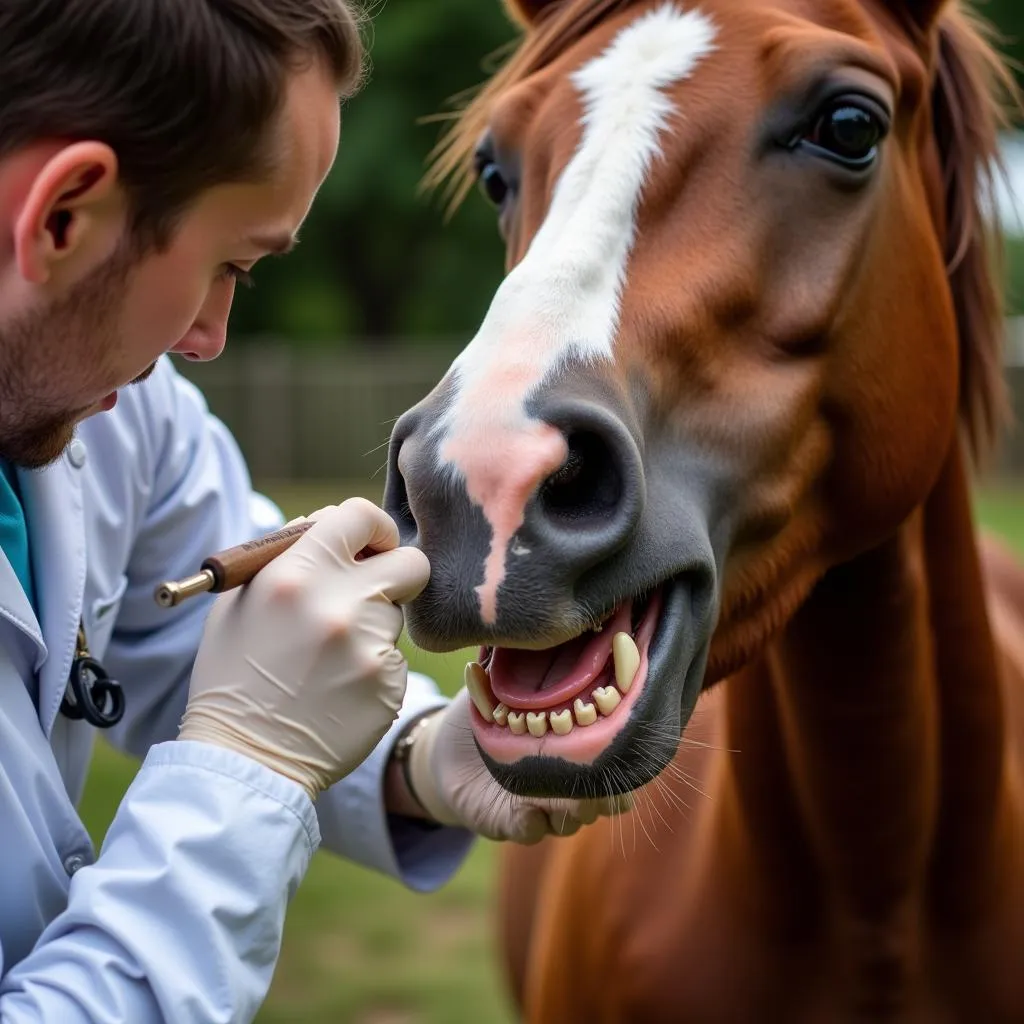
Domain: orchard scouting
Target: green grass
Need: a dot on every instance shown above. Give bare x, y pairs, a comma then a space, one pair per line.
1001, 509
358, 948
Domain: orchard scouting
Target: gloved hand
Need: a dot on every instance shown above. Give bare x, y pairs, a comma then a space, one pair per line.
299, 669
455, 788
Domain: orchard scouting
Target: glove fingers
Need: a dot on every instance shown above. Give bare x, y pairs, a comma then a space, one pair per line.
223, 606
586, 811
562, 823
612, 806
528, 826
351, 526
400, 574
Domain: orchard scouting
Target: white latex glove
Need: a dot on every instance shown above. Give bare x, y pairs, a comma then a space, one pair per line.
299, 669
455, 787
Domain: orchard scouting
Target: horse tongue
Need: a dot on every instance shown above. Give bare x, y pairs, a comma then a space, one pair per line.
529, 678
542, 679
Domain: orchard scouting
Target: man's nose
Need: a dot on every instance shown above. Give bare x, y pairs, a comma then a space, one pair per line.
206, 338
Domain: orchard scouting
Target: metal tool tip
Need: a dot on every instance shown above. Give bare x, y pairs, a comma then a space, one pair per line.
173, 592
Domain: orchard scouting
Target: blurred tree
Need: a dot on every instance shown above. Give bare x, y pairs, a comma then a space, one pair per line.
1008, 17
377, 260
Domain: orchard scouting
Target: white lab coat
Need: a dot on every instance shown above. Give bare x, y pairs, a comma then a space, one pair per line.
180, 917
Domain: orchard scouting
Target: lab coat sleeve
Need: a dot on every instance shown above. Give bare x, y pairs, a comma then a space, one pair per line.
199, 500
181, 916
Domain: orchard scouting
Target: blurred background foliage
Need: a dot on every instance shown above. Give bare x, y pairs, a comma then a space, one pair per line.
1008, 18
377, 261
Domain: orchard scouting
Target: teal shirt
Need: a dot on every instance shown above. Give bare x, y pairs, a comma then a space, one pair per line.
14, 529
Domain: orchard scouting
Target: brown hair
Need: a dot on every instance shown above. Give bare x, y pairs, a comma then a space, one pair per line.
184, 91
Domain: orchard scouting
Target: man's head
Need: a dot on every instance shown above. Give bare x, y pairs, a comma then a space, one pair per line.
150, 153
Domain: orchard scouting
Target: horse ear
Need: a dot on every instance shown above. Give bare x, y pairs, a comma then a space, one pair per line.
529, 12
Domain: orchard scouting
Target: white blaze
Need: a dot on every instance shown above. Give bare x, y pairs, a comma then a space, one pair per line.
563, 298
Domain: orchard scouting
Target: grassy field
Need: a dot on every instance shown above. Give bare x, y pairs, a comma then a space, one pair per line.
358, 948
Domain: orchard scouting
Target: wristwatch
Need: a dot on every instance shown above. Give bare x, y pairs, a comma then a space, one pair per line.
402, 751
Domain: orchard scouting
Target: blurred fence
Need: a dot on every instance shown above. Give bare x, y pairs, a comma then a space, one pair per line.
327, 414
315, 415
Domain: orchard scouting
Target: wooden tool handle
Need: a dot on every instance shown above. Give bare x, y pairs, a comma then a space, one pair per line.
236, 566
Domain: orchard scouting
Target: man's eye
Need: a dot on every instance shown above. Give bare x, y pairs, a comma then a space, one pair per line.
237, 274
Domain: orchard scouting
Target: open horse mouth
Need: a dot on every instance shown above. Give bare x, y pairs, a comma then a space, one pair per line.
599, 713
569, 700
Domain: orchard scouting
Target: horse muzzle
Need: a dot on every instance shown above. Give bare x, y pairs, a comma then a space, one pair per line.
591, 651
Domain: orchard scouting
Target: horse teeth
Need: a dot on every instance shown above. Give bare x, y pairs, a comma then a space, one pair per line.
501, 714
479, 688
586, 714
607, 699
517, 723
561, 722
626, 656
537, 723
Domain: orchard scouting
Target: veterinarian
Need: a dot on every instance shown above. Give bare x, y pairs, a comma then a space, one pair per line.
150, 155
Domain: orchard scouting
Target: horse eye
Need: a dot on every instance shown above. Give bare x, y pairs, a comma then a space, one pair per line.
848, 133
493, 183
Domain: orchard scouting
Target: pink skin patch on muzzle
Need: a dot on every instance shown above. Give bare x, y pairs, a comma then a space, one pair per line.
503, 457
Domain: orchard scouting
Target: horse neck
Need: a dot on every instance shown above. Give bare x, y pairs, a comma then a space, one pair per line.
870, 736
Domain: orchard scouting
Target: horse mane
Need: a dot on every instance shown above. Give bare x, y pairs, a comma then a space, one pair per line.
970, 86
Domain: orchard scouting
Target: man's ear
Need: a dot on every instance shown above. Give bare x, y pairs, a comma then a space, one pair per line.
528, 12
73, 213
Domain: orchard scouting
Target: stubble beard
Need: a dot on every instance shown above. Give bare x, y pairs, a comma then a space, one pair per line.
50, 355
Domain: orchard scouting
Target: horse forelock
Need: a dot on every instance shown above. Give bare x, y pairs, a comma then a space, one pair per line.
972, 94
451, 162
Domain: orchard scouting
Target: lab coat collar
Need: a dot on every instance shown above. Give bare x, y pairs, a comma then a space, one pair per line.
17, 610
53, 506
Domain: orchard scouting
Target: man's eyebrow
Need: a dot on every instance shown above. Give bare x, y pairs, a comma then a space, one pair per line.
278, 244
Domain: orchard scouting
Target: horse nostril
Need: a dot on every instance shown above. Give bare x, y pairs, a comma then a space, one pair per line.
591, 504
587, 486
396, 497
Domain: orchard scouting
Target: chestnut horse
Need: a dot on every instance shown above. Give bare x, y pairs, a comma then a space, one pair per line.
704, 472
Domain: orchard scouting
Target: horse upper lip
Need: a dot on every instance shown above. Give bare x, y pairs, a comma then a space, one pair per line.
594, 626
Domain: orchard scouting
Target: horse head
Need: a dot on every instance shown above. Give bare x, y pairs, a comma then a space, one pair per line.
747, 310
